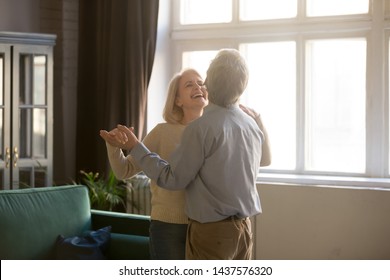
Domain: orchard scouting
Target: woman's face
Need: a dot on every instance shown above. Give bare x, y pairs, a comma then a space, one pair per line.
191, 92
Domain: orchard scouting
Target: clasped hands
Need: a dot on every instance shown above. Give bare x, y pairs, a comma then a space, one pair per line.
122, 137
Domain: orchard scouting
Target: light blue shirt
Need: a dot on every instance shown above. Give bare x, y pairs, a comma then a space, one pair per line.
216, 163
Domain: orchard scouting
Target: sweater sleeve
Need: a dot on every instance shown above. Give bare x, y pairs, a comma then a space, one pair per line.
123, 166
266, 148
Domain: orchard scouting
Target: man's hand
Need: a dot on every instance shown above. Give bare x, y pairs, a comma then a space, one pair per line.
130, 140
121, 137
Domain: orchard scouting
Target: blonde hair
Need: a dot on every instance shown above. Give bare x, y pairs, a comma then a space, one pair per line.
227, 77
172, 113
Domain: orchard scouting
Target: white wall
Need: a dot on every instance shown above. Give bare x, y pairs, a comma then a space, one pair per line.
307, 222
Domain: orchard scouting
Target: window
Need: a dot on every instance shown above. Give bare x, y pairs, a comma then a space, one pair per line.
270, 63
194, 12
266, 10
335, 103
316, 76
336, 7
198, 60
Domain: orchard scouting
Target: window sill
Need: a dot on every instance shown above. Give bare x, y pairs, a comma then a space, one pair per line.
325, 181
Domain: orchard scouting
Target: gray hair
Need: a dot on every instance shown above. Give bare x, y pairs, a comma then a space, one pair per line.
227, 78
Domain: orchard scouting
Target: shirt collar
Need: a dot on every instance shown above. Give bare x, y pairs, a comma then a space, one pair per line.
212, 106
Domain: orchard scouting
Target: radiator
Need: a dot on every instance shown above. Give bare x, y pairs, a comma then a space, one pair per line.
138, 195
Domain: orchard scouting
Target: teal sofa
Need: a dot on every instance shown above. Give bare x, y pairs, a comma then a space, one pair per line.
31, 220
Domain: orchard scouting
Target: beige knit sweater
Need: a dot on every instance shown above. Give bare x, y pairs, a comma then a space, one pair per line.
166, 206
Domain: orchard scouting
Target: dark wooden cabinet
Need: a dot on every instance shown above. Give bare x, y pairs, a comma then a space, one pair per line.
26, 110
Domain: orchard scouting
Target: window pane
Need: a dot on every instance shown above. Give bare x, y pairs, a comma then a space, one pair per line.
335, 103
1, 80
25, 180
32, 177
336, 7
40, 177
40, 80
1, 108
25, 133
205, 11
25, 94
1, 134
271, 91
199, 60
267, 9
39, 137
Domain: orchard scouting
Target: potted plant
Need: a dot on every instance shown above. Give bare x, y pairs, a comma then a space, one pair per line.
105, 194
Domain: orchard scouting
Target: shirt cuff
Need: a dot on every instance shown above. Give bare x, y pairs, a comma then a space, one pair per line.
139, 151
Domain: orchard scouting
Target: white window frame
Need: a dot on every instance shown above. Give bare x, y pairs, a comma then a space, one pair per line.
370, 26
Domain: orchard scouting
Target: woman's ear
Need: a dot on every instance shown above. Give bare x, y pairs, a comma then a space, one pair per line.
178, 102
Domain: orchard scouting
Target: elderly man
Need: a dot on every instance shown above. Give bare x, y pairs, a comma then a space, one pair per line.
216, 163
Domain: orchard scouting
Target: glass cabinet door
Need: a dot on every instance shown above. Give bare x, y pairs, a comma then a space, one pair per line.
26, 109
5, 105
32, 117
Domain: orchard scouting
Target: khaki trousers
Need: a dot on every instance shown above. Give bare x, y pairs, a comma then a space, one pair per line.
230, 239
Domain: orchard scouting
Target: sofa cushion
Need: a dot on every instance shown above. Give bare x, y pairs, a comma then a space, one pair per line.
31, 219
90, 246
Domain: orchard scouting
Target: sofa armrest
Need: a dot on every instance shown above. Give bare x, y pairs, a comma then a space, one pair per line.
129, 234
123, 223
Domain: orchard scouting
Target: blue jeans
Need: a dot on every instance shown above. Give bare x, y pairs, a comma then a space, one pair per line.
167, 241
